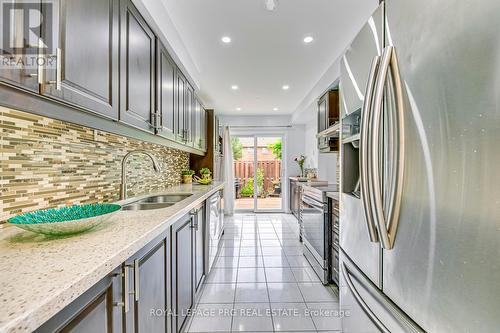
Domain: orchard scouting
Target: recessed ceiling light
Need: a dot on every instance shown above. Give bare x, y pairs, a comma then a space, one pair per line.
275, 109
271, 4
226, 39
234, 87
308, 39
285, 87
238, 109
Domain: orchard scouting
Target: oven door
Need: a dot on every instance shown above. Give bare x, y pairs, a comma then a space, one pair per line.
315, 236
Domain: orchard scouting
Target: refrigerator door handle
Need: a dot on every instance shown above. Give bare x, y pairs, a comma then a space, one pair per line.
387, 230
361, 302
364, 151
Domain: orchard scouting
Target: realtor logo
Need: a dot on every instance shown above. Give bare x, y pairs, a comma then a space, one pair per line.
26, 26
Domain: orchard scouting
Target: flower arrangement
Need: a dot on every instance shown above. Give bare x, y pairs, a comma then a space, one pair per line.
300, 161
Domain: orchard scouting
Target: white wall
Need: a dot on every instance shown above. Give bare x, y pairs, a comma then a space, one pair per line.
294, 144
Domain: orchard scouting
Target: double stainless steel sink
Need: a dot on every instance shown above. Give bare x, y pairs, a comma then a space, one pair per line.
156, 202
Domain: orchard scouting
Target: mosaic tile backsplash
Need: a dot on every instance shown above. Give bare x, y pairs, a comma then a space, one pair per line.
47, 163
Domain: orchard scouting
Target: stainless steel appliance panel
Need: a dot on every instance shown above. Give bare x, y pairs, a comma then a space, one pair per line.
313, 223
354, 239
315, 236
365, 308
444, 268
355, 70
215, 228
355, 65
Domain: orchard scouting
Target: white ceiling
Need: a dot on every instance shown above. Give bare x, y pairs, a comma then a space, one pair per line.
267, 48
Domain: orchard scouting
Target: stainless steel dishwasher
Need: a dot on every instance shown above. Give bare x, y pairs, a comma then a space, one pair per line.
215, 226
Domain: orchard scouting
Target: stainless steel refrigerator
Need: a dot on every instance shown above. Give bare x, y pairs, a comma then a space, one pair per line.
420, 99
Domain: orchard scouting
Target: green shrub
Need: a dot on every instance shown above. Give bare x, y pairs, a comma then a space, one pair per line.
247, 190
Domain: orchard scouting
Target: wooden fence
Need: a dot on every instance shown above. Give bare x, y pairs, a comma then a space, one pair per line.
244, 170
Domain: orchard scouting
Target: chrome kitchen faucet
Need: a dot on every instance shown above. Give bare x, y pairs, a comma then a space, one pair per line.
123, 187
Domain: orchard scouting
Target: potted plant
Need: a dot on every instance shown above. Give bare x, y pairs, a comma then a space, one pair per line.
205, 173
187, 176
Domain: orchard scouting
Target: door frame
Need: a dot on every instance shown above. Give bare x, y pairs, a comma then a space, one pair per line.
251, 134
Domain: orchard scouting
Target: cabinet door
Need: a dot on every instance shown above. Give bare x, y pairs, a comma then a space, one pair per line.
96, 310
94, 318
203, 128
322, 124
149, 287
199, 244
189, 110
165, 98
195, 123
182, 271
137, 69
22, 51
181, 107
87, 35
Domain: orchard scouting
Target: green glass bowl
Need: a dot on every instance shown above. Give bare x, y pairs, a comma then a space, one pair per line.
65, 220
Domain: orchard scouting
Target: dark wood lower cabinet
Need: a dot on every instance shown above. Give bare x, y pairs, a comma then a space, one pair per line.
152, 291
182, 271
94, 311
199, 247
148, 289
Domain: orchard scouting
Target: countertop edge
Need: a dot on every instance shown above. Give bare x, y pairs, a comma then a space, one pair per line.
34, 318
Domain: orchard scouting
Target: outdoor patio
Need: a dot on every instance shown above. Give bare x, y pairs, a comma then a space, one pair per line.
269, 203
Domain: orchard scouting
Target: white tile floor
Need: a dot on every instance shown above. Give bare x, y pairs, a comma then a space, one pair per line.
261, 282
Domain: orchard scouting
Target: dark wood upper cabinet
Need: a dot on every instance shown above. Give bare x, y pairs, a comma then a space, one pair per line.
137, 69
102, 59
166, 105
196, 123
203, 128
181, 107
18, 73
87, 36
188, 115
328, 115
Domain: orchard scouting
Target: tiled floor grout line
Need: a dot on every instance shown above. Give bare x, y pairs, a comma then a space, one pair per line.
267, 286
236, 282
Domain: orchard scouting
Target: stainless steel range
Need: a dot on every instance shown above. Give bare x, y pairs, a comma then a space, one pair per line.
317, 229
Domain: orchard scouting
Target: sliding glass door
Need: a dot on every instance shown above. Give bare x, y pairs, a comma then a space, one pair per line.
258, 172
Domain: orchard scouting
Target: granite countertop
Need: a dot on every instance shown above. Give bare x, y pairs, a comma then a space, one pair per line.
40, 276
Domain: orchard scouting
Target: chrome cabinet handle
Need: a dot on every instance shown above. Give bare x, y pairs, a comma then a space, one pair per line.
136, 279
126, 292
194, 214
364, 151
361, 302
58, 80
387, 231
